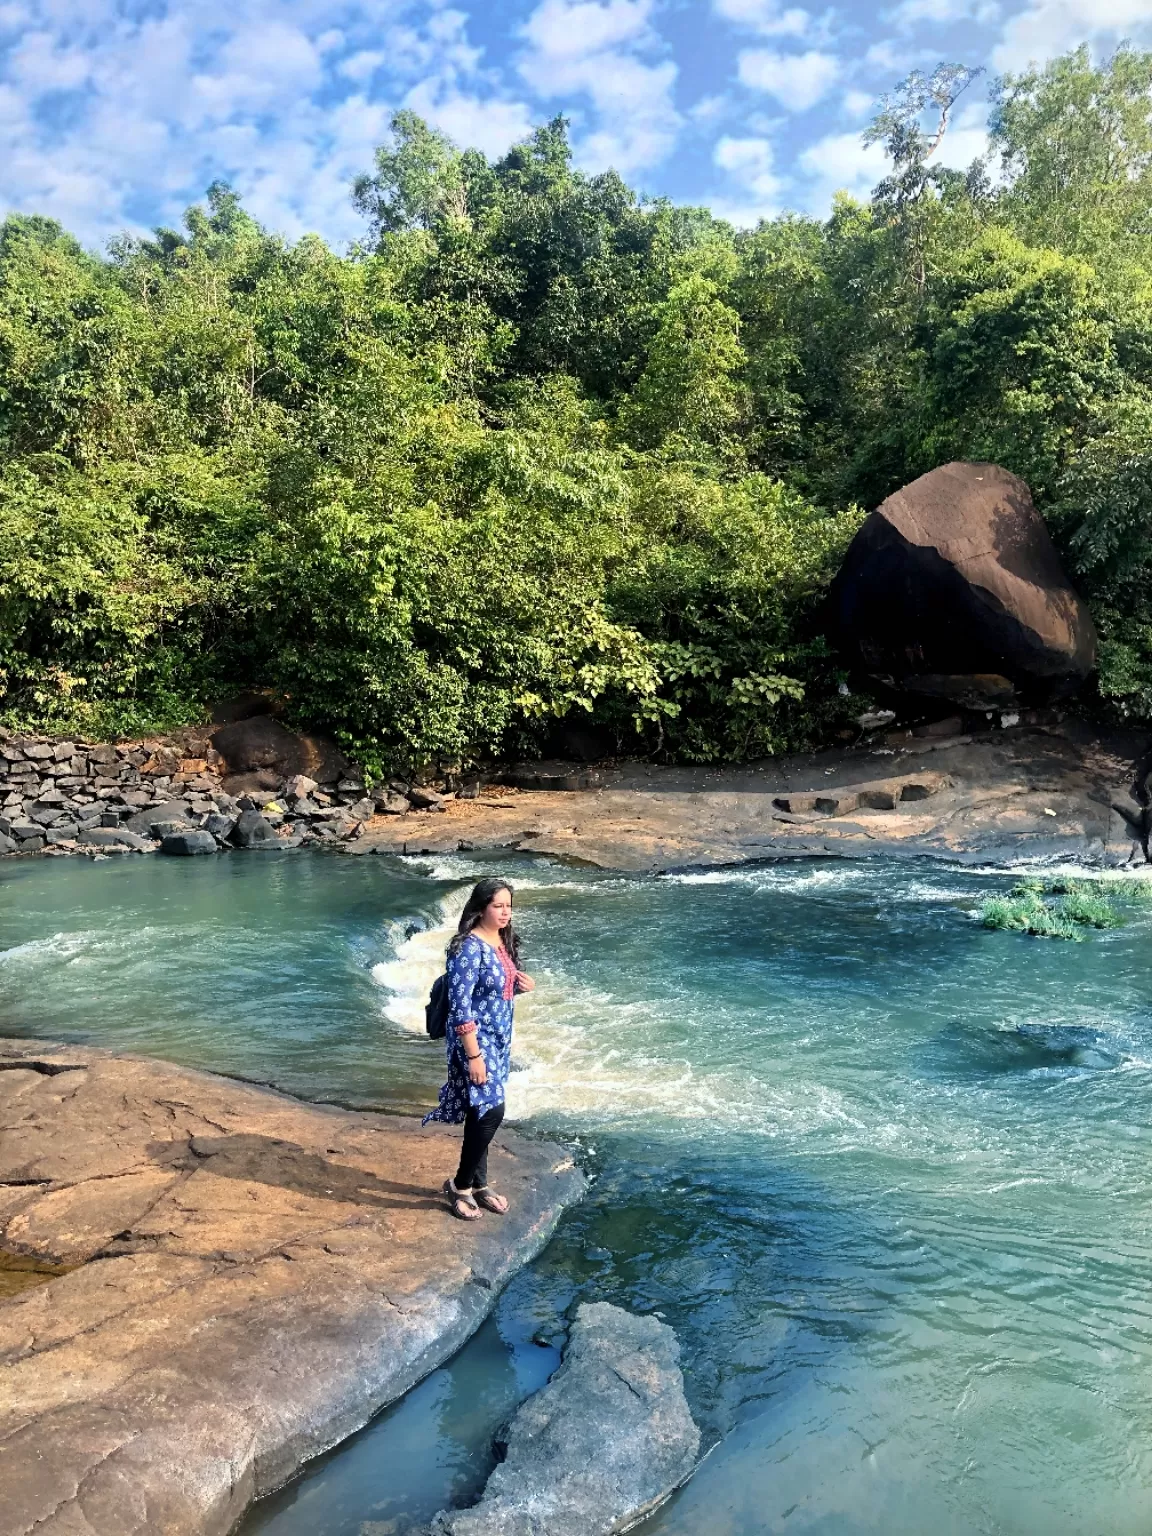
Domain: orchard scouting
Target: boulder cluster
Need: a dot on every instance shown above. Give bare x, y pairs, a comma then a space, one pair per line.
81, 797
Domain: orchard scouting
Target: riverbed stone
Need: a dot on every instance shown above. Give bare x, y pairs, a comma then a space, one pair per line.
608, 1439
257, 1277
7, 844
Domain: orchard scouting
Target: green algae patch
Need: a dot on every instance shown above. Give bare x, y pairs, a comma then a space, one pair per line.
1061, 907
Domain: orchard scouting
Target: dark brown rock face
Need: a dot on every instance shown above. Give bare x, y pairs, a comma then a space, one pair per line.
952, 588
263, 743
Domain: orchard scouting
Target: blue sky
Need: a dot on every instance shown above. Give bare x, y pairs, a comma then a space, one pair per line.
118, 113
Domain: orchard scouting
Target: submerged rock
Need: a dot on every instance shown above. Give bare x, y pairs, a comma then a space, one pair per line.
606, 1440
953, 589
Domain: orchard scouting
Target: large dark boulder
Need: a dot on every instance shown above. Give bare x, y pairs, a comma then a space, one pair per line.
188, 844
952, 588
252, 831
261, 743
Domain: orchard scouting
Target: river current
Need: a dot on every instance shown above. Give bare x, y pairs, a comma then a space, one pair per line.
887, 1173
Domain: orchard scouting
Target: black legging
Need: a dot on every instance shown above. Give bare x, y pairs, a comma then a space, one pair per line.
479, 1130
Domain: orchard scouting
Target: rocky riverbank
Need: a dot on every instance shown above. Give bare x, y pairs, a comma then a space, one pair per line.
1014, 789
998, 795
219, 1282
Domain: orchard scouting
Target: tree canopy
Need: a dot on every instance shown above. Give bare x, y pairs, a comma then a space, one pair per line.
541, 454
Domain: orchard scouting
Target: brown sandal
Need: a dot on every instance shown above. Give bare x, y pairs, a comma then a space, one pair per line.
490, 1200
461, 1203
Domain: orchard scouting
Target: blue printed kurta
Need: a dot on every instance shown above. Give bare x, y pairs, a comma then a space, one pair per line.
480, 991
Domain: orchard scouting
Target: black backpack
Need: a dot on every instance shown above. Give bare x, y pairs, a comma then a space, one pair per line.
437, 1009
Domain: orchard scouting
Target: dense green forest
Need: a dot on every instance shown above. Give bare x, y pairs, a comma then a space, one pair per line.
541, 453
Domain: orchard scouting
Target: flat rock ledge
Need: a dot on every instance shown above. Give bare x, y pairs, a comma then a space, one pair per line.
605, 1442
250, 1278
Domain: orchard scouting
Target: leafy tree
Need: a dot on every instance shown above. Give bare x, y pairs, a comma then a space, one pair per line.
543, 452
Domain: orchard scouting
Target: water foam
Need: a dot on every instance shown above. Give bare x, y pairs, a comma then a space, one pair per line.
418, 958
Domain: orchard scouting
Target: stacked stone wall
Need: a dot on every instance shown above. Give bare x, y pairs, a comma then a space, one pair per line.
85, 797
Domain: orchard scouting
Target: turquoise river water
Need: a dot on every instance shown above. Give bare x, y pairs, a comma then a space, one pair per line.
887, 1174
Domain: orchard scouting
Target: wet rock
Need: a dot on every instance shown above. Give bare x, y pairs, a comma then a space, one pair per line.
952, 588
187, 844
252, 831
606, 1440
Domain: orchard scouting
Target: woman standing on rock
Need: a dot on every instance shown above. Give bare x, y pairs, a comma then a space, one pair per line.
483, 980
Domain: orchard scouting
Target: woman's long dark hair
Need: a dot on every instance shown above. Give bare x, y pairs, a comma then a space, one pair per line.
483, 893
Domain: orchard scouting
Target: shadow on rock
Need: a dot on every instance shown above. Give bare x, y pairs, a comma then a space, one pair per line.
282, 1164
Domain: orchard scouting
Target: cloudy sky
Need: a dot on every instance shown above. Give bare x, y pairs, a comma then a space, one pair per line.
118, 113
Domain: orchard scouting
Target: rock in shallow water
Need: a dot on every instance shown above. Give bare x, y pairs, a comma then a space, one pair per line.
252, 831
607, 1439
186, 844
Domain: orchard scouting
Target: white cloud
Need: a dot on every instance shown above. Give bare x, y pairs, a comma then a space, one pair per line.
858, 103
1049, 27
798, 81
573, 29
606, 54
118, 116
752, 190
764, 17
887, 55
840, 163
912, 12
490, 124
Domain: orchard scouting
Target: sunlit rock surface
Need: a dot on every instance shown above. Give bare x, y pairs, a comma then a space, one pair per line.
952, 588
253, 1278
